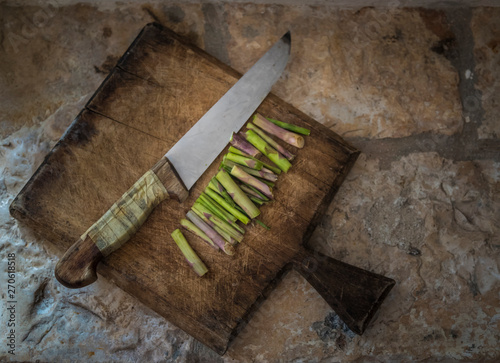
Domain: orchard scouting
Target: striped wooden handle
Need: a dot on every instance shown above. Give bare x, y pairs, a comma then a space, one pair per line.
77, 268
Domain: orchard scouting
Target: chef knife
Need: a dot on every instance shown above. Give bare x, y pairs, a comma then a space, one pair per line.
176, 172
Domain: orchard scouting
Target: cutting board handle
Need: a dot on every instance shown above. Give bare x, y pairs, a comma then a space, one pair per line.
77, 268
353, 293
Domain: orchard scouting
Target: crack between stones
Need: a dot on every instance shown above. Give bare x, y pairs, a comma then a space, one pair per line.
462, 146
449, 147
459, 20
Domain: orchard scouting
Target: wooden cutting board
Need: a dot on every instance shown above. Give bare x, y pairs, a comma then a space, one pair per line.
160, 87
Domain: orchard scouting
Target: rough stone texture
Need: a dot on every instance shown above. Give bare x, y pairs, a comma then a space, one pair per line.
421, 204
432, 224
369, 73
486, 30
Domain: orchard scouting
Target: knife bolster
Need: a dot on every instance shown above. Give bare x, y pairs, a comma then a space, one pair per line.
170, 179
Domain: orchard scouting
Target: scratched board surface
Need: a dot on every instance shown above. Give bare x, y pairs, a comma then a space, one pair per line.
160, 87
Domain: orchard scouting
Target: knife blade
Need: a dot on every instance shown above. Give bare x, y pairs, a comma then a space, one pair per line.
212, 132
176, 172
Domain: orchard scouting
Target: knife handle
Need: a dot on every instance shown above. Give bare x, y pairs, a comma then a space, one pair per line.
77, 268
353, 293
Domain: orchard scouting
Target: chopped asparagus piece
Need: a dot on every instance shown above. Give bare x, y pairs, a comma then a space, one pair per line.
242, 160
290, 127
210, 232
237, 194
191, 257
191, 227
237, 172
223, 225
287, 136
228, 207
257, 201
272, 168
252, 191
225, 214
268, 151
287, 154
266, 175
241, 144
219, 189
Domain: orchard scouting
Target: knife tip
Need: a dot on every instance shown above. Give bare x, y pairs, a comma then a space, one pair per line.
287, 38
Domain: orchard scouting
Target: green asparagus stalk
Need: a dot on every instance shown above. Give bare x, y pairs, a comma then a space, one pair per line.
210, 232
239, 152
214, 221
267, 182
217, 228
238, 173
241, 210
225, 235
266, 170
215, 185
267, 150
290, 127
241, 144
191, 227
270, 168
242, 160
222, 233
228, 169
191, 257
287, 154
228, 207
225, 214
219, 189
255, 200
215, 208
287, 136
237, 194
252, 191
234, 209
270, 177
221, 212
257, 173
214, 211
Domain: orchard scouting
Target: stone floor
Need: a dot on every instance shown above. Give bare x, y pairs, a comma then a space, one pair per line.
417, 91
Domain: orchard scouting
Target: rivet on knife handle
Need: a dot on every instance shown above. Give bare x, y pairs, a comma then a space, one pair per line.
77, 267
